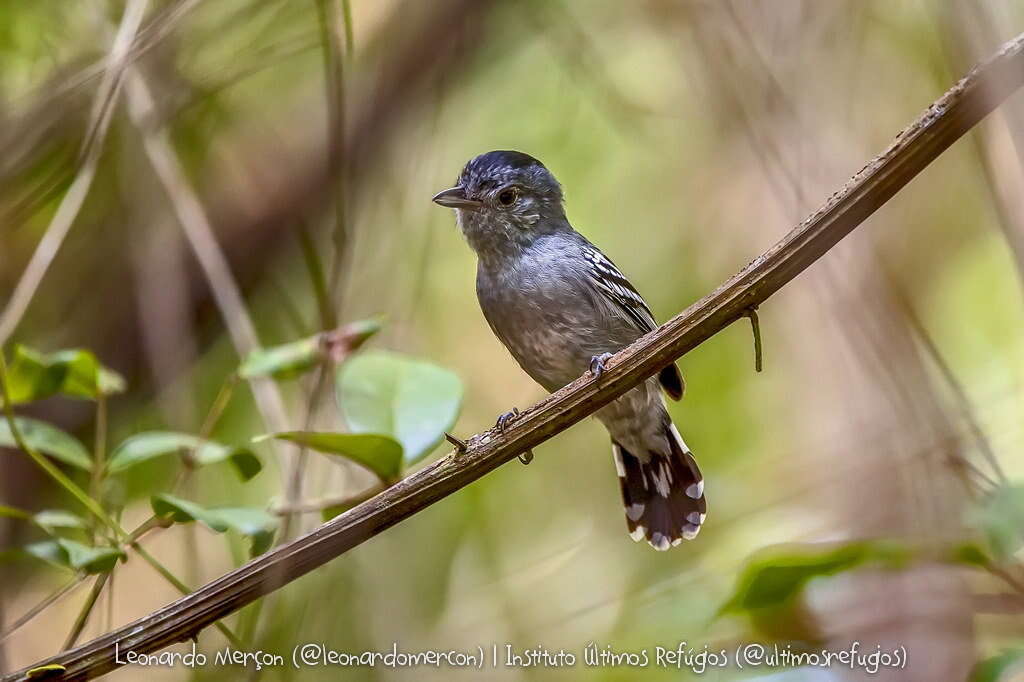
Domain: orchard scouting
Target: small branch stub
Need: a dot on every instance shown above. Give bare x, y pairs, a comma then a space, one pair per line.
755, 327
459, 444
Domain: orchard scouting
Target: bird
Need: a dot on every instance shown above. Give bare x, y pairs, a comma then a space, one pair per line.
562, 308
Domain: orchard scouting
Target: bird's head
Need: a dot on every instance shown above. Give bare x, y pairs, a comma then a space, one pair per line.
503, 200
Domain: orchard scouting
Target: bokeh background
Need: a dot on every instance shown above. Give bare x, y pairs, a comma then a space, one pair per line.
689, 136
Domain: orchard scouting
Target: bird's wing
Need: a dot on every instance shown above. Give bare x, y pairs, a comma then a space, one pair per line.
612, 283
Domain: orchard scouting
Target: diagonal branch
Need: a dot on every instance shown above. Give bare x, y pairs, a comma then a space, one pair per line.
964, 105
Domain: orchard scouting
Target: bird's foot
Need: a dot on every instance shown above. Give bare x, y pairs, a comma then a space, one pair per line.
505, 418
502, 424
597, 364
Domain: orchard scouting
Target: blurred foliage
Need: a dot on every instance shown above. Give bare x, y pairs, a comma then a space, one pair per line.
1002, 521
34, 376
48, 439
380, 454
412, 401
256, 524
295, 358
73, 555
397, 408
284, 361
778, 576
143, 447
999, 668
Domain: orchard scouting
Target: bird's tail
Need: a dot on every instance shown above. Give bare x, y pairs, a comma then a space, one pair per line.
663, 495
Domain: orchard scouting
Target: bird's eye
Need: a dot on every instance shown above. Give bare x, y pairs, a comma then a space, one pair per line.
508, 196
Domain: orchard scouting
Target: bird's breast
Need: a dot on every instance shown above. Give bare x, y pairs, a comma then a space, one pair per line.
549, 323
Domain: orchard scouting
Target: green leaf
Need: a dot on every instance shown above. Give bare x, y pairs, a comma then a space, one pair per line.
245, 462
412, 401
969, 554
256, 524
297, 357
110, 382
999, 668
342, 342
149, 445
50, 552
46, 439
359, 331
70, 554
34, 375
380, 454
183, 511
1002, 521
54, 519
777, 576
284, 361
90, 559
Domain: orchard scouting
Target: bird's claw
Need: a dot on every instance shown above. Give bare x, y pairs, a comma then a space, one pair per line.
597, 364
505, 418
502, 424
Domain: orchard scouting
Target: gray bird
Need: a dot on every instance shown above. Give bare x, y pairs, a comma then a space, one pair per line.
561, 308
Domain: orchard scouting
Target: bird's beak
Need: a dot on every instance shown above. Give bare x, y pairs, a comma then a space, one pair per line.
456, 198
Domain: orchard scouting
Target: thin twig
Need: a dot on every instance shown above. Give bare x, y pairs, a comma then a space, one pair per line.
89, 156
316, 277
949, 376
183, 588
38, 608
298, 468
220, 403
292, 495
199, 232
914, 149
329, 17
83, 615
1006, 577
99, 451
346, 501
350, 41
108, 614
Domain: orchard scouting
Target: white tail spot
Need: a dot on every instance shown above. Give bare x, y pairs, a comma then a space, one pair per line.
695, 490
660, 542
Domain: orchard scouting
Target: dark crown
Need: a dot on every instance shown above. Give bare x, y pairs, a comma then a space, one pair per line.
494, 169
